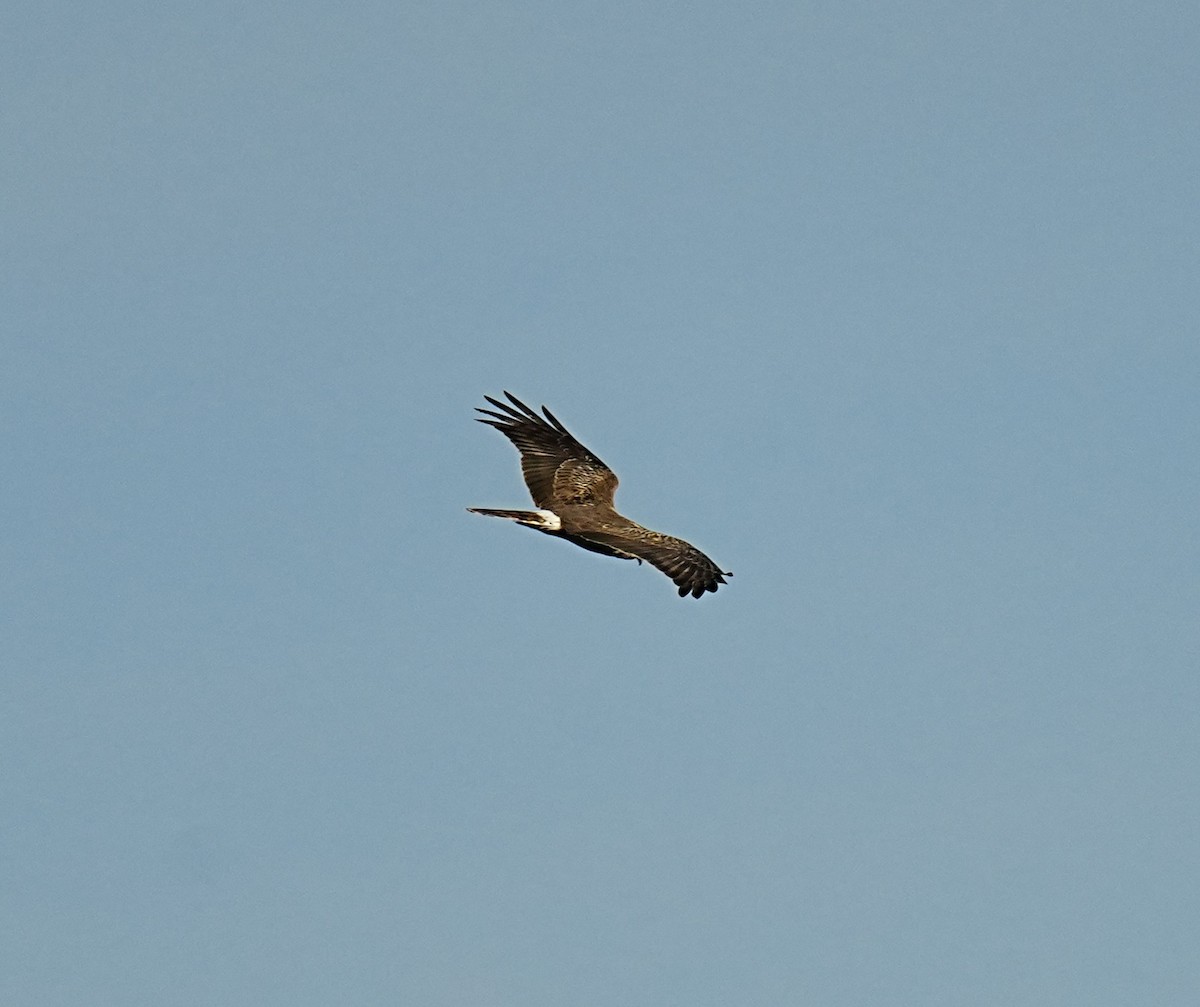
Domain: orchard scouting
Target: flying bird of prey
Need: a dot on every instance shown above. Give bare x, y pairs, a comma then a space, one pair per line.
574, 489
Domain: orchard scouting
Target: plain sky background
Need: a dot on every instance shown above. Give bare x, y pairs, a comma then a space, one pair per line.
891, 308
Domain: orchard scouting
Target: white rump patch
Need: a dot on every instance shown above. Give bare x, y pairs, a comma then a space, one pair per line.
550, 520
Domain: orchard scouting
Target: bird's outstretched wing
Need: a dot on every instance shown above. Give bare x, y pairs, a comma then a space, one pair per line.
692, 571
557, 468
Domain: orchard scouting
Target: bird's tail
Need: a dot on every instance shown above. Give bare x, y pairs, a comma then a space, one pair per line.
541, 519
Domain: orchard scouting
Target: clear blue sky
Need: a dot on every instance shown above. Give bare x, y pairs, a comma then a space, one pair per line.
892, 309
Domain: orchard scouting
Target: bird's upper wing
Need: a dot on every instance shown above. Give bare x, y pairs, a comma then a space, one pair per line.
557, 468
692, 571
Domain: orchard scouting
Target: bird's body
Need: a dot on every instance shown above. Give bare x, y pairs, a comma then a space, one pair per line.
574, 489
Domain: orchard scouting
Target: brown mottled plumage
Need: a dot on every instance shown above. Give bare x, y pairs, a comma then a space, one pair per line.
574, 491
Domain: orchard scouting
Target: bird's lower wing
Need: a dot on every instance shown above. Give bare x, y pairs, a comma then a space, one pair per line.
692, 571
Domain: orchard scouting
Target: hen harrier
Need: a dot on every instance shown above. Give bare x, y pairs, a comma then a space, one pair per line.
574, 489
